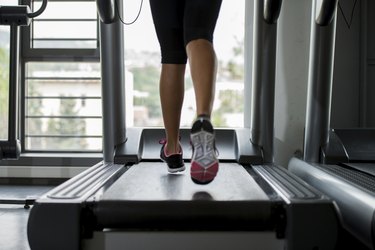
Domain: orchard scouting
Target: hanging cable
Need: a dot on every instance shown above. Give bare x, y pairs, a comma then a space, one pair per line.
38, 12
136, 18
348, 23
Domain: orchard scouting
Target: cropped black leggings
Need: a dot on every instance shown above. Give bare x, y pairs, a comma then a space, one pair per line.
177, 22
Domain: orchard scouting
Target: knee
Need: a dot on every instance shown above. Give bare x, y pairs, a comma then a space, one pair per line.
199, 43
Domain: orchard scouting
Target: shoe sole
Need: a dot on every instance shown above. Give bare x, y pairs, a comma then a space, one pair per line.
204, 163
176, 170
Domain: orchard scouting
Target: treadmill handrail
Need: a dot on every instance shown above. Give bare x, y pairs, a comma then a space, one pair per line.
272, 10
320, 79
106, 10
266, 13
325, 11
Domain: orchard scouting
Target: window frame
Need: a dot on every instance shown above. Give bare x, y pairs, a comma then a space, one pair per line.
28, 54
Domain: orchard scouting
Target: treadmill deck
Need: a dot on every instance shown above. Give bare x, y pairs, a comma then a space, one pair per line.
150, 181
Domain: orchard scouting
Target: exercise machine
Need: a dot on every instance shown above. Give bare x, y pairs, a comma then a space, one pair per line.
129, 201
338, 162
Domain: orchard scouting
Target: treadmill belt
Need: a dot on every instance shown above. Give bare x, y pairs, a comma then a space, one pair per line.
150, 181
368, 168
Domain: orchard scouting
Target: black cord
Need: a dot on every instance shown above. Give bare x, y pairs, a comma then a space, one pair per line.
136, 18
348, 23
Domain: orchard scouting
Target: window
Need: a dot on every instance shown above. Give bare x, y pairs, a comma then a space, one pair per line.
65, 25
61, 76
142, 61
63, 106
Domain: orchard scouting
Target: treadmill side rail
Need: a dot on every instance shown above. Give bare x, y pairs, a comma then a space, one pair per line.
55, 221
312, 221
355, 203
54, 226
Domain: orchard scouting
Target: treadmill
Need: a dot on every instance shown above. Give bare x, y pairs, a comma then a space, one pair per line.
129, 201
338, 162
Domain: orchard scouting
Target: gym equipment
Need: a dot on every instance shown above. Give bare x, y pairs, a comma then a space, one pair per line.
338, 162
129, 201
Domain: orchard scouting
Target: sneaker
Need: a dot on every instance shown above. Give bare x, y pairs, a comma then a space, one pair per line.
175, 162
204, 163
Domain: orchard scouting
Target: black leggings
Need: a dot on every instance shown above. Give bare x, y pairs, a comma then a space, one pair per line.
177, 22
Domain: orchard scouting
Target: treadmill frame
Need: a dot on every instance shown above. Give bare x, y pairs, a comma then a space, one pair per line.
325, 151
72, 214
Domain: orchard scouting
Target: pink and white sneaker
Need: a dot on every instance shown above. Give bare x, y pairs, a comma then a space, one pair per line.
204, 162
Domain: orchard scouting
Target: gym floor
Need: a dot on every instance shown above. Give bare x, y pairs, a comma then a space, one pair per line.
13, 218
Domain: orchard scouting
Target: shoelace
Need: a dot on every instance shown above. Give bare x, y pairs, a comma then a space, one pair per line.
163, 141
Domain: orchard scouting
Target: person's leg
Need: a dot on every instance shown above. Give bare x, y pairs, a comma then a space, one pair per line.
199, 25
171, 97
167, 17
203, 67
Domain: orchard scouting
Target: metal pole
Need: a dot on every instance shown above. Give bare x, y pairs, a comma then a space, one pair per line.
318, 110
249, 31
263, 89
13, 83
113, 85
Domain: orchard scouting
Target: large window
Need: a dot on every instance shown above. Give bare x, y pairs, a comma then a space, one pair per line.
61, 76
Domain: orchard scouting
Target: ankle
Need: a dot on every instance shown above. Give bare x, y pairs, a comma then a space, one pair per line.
204, 117
171, 149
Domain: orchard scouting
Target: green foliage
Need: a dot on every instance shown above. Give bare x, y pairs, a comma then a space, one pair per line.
217, 119
34, 126
4, 88
234, 68
231, 101
146, 79
68, 127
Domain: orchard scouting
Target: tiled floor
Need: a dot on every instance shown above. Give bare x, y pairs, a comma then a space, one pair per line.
13, 218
